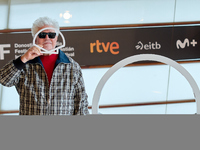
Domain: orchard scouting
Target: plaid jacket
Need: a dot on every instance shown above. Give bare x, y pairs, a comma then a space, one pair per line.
65, 96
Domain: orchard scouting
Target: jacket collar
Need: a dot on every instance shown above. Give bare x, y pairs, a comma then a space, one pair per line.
62, 58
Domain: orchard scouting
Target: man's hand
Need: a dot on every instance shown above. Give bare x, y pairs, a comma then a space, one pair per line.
31, 54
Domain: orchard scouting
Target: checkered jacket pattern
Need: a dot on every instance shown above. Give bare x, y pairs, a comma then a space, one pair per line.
66, 94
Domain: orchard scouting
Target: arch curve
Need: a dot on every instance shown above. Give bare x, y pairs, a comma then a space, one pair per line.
144, 57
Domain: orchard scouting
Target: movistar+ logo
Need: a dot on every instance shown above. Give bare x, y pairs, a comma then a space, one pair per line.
185, 43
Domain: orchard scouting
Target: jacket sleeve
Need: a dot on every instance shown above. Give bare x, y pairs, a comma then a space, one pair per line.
81, 97
9, 74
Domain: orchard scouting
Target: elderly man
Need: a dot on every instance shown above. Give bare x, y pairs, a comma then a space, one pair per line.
48, 84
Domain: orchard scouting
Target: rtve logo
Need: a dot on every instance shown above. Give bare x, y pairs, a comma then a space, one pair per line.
186, 42
148, 46
2, 51
112, 47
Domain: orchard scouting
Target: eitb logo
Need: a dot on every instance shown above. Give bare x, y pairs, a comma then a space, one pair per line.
3, 51
148, 46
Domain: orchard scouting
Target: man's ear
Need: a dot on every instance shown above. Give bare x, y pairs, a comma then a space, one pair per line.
36, 41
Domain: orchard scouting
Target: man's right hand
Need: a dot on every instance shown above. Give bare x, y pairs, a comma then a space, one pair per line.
31, 54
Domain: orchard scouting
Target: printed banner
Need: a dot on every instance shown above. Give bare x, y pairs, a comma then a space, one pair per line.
108, 46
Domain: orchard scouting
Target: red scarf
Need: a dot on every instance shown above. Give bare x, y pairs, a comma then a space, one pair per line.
49, 64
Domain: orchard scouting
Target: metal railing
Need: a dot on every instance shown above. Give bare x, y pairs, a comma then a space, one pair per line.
122, 105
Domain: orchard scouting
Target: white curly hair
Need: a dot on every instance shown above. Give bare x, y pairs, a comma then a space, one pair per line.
43, 21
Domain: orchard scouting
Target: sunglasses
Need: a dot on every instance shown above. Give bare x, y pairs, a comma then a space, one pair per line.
51, 35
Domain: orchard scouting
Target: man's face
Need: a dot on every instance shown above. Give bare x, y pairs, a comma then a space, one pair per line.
47, 43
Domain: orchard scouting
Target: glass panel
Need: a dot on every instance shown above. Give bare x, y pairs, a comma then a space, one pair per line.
187, 10
10, 99
86, 13
78, 13
19, 19
11, 114
182, 108
179, 87
91, 79
3, 14
153, 109
193, 69
136, 84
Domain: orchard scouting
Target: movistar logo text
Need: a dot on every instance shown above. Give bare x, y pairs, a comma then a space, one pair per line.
186, 42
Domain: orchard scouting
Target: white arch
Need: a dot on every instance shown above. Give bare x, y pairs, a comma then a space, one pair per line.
144, 57
53, 51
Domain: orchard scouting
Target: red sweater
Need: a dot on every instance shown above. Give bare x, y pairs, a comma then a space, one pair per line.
49, 64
